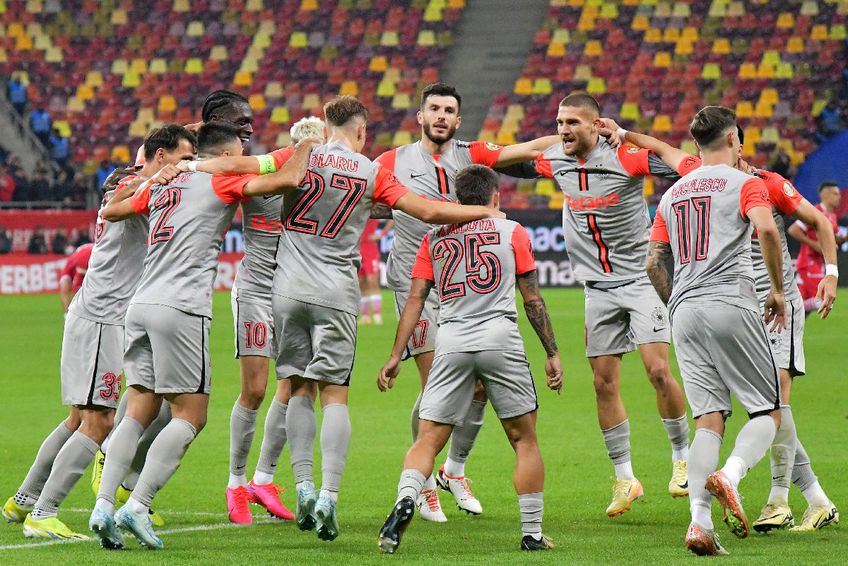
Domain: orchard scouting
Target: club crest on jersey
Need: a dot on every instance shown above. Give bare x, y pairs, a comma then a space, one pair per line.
788, 189
658, 317
492, 146
633, 149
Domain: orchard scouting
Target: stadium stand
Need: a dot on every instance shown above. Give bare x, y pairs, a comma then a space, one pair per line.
652, 64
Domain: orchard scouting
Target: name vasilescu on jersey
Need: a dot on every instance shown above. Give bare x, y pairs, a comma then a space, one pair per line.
702, 185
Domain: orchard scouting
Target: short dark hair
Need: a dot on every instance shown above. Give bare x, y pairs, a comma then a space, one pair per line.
476, 184
827, 184
741, 133
168, 138
710, 123
581, 99
213, 135
220, 99
440, 89
342, 108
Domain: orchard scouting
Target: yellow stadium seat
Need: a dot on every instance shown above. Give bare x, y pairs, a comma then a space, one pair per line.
195, 29
629, 111
119, 67
401, 101
736, 9
309, 5
389, 39
42, 42
120, 154
763, 110
138, 66
837, 32
145, 115
609, 11
274, 89
15, 29
427, 38
556, 50
34, 6
261, 40
523, 87
280, 115
711, 71
770, 135
75, 104
23, 43
771, 57
769, 96
378, 64
721, 46
4, 58
648, 187
94, 79
181, 6
158, 66
689, 146
662, 59
545, 187
795, 45
653, 35
586, 23
167, 103
194, 66
131, 80
684, 47
401, 138
243, 78
85, 92
254, 6
249, 64
456, 4
582, 73
753, 133
690, 33
765, 71
542, 86
386, 88
718, 10
596, 85
744, 109
392, 74
311, 101
662, 123
64, 128
561, 36
681, 10
257, 101
119, 17
299, 39
818, 106
283, 139
784, 71
350, 88
819, 33
515, 111
747, 71
219, 53
593, 48
432, 14
809, 8
505, 138
640, 23
54, 55
671, 35
786, 20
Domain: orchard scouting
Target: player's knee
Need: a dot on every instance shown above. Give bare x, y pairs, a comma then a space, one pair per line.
605, 385
252, 394
659, 374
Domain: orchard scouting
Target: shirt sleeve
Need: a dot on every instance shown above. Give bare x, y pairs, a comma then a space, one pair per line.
230, 189
523, 248
387, 188
70, 268
140, 201
485, 153
754, 193
387, 159
688, 164
543, 167
423, 268
659, 231
280, 156
782, 194
634, 160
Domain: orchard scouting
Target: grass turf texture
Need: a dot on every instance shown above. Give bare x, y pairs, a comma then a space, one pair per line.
577, 487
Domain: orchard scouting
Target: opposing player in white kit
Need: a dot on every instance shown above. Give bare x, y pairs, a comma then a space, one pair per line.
92, 356
704, 223
789, 459
606, 226
167, 326
429, 167
475, 267
255, 345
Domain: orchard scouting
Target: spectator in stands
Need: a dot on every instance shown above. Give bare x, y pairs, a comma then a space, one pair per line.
42, 124
37, 243
7, 185
780, 163
829, 121
102, 174
78, 189
17, 93
5, 241
59, 243
81, 238
40, 187
60, 149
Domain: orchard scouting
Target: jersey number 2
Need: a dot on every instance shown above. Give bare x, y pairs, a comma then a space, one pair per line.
297, 220
168, 201
702, 226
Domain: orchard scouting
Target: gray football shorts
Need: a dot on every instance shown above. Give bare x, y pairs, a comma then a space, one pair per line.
167, 350
423, 338
788, 346
254, 324
315, 342
723, 349
450, 386
619, 319
92, 358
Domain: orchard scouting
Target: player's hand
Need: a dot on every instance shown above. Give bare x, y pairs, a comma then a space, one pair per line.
194, 126
166, 174
827, 295
386, 380
775, 311
183, 165
554, 371
608, 128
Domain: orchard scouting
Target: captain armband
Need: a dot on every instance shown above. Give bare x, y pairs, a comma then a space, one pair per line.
266, 164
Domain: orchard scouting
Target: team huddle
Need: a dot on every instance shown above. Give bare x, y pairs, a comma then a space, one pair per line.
144, 311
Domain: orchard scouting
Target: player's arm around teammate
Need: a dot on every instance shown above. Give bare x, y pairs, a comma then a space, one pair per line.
826, 245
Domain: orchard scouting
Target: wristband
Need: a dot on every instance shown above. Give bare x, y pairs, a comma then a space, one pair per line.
831, 269
266, 164
621, 132
192, 166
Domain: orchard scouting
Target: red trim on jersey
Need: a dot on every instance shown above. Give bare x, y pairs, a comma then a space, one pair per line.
603, 251
281, 155
688, 164
754, 193
230, 188
140, 201
583, 179
523, 249
781, 193
659, 230
634, 160
423, 268
544, 168
387, 188
442, 177
483, 153
387, 159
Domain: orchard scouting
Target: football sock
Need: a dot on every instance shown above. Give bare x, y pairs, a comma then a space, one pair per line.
678, 434
410, 485
40, 470
163, 459
703, 460
453, 468
376, 301
300, 428
530, 505
464, 435
750, 447
122, 449
782, 457
136, 506
363, 306
430, 483
805, 480
147, 438
242, 428
414, 418
119, 416
273, 441
68, 468
327, 494
617, 440
335, 438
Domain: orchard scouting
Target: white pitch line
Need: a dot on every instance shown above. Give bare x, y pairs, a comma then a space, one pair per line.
195, 528
163, 513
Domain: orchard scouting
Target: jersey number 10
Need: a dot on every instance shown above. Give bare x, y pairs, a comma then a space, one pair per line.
702, 225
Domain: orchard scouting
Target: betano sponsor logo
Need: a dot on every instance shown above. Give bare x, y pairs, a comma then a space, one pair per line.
592, 203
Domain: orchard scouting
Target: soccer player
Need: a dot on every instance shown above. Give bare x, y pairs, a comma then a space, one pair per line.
704, 224
371, 303
71, 278
477, 266
606, 226
428, 167
813, 267
255, 345
92, 356
787, 347
167, 325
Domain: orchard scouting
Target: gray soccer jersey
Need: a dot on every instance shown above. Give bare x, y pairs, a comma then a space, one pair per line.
318, 256
702, 217
187, 218
114, 269
431, 177
604, 218
474, 266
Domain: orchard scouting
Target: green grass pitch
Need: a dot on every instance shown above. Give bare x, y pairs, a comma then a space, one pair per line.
577, 487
